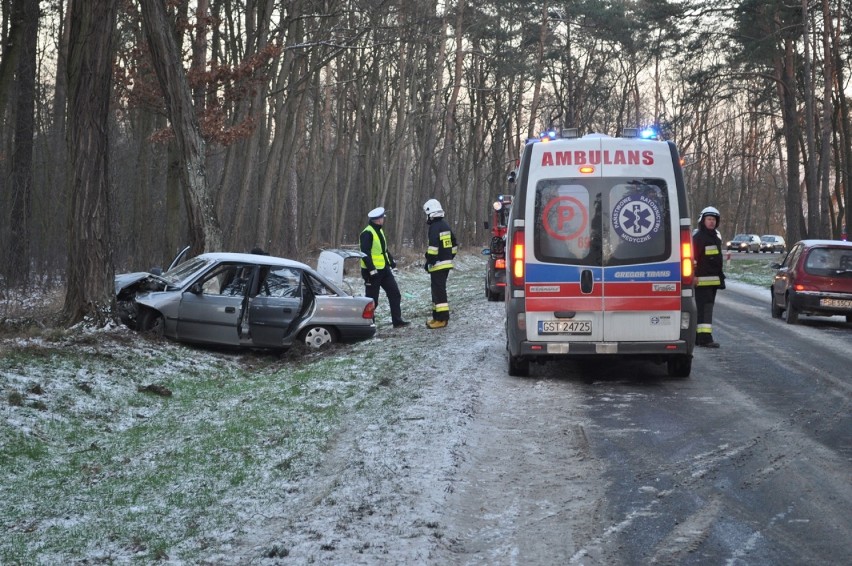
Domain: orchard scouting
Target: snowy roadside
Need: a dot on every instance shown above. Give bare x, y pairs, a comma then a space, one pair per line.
352, 467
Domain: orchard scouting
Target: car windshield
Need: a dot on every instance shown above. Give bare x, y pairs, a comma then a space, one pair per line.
740, 238
826, 261
179, 273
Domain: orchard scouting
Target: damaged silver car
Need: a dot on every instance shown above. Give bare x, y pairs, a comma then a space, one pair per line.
243, 300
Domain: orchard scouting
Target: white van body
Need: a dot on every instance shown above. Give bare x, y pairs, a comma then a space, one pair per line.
600, 254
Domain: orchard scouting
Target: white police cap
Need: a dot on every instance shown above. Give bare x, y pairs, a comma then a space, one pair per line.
376, 213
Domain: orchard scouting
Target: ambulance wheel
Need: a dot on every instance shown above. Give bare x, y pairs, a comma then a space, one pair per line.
518, 366
679, 366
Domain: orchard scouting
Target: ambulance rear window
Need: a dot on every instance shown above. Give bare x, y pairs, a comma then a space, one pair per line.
602, 221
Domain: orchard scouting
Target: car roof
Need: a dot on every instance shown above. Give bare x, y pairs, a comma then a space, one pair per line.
824, 243
255, 258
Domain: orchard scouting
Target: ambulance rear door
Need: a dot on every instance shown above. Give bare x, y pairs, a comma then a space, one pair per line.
605, 262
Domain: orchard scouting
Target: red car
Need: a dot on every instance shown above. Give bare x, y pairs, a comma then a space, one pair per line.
815, 279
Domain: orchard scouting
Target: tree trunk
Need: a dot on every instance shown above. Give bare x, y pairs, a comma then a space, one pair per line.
90, 288
204, 230
786, 84
22, 158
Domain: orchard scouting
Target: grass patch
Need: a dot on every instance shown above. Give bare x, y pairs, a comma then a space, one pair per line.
753, 271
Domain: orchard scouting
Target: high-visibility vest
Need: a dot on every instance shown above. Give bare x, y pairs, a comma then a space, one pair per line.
379, 256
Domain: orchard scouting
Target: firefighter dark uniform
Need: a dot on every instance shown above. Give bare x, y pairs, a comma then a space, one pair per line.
708, 274
377, 266
439, 261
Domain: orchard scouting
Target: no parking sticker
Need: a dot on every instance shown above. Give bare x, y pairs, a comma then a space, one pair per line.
636, 219
565, 218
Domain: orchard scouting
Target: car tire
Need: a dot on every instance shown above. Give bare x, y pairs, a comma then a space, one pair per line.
792, 312
679, 366
318, 337
775, 309
518, 366
151, 322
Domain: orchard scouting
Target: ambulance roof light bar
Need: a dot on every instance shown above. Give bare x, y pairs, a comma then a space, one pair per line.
648, 133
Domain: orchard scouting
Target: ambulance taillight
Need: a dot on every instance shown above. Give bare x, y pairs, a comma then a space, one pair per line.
517, 258
687, 266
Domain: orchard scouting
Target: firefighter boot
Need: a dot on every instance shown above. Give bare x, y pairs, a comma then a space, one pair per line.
432, 323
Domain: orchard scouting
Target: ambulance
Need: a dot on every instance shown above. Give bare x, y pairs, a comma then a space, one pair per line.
600, 260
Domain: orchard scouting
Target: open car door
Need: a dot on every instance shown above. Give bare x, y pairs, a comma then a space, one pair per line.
276, 306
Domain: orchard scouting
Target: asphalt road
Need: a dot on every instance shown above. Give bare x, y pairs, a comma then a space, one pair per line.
747, 462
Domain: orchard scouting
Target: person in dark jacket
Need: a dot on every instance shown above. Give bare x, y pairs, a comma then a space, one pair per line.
377, 266
708, 274
439, 261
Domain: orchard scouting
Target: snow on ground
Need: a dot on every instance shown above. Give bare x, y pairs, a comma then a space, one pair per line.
366, 485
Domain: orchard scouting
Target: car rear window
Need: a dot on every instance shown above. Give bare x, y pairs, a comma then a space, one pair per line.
829, 261
595, 221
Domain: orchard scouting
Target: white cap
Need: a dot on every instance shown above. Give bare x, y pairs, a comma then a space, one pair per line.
376, 213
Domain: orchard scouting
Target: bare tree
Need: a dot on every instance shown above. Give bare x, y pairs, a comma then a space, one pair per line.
204, 231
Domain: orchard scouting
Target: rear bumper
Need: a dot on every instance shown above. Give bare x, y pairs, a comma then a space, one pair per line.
812, 303
356, 333
581, 349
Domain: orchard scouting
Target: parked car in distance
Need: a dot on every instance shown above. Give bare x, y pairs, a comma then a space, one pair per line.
771, 243
243, 300
815, 278
744, 243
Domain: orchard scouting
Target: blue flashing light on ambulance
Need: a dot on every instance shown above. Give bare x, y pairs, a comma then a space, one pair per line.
600, 252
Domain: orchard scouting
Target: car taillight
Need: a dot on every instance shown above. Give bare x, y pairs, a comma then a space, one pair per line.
500, 263
369, 310
517, 258
687, 266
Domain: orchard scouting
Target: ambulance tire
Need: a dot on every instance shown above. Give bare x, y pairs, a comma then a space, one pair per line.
679, 366
518, 366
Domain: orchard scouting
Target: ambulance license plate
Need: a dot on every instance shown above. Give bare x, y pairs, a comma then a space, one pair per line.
564, 326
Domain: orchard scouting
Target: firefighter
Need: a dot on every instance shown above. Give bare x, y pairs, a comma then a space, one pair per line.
439, 261
709, 277
377, 266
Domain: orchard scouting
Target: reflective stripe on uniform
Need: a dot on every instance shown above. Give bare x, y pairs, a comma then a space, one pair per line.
711, 250
441, 307
440, 265
704, 329
708, 281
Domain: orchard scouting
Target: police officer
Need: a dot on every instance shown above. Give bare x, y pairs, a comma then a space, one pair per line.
377, 264
439, 261
707, 244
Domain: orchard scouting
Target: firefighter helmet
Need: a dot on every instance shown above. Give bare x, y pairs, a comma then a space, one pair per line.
433, 208
709, 211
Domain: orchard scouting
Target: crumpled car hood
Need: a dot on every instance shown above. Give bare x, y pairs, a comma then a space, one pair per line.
125, 280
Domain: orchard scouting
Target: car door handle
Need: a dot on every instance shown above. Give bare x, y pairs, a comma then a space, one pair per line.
230, 309
288, 309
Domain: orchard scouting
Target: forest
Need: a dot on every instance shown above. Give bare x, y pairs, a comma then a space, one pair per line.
131, 128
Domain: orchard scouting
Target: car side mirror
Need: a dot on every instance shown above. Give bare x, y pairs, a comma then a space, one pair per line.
775, 265
196, 289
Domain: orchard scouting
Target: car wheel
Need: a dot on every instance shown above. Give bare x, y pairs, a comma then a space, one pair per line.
775, 309
679, 366
152, 322
318, 337
792, 312
518, 366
